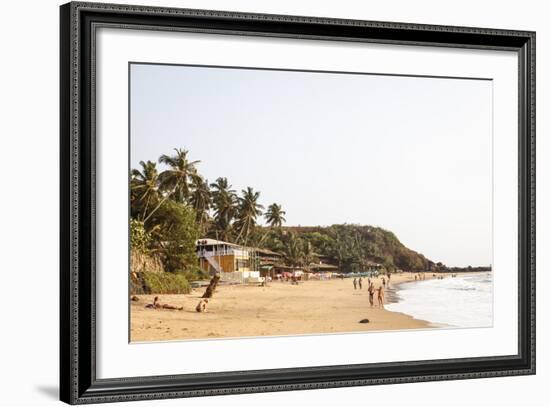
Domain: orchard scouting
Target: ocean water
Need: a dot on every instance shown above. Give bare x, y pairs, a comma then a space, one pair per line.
465, 301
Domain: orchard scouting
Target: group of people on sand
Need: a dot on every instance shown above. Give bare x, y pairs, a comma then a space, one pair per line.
201, 306
157, 305
380, 291
372, 290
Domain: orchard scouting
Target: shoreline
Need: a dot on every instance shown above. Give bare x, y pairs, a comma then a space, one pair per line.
278, 309
396, 298
397, 284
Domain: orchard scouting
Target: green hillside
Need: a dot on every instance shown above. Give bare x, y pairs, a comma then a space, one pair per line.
351, 247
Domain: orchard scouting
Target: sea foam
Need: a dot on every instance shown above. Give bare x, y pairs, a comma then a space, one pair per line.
465, 301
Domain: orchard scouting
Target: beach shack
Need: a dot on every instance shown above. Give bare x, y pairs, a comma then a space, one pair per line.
232, 262
322, 271
373, 268
268, 262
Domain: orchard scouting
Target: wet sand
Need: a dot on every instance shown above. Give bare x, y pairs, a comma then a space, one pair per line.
279, 308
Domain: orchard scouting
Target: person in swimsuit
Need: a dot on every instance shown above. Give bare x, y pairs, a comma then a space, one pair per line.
381, 296
201, 306
371, 295
156, 305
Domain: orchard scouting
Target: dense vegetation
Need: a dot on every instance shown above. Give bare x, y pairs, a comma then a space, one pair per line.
148, 282
171, 209
350, 247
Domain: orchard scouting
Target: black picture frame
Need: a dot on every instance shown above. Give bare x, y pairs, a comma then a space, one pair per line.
78, 382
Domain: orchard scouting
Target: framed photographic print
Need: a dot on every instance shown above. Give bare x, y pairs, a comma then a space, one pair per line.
255, 203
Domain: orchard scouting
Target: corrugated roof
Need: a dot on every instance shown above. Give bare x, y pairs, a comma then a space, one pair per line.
214, 242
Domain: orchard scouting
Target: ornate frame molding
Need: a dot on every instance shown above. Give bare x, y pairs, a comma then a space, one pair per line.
77, 173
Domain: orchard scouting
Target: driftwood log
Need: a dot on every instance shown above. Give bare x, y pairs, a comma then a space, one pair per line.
211, 287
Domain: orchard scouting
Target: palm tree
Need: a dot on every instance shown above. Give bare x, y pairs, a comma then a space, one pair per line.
275, 215
292, 249
308, 256
341, 248
144, 188
224, 200
249, 210
177, 178
201, 200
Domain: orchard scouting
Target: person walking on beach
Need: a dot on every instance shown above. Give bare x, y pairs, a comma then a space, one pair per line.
360, 283
383, 281
371, 294
381, 296
354, 283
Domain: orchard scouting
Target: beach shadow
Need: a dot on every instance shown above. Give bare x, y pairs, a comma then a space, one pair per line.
51, 391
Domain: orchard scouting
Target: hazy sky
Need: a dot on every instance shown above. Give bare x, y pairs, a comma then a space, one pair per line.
409, 154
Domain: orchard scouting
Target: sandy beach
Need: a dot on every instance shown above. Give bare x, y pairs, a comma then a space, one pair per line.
279, 308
